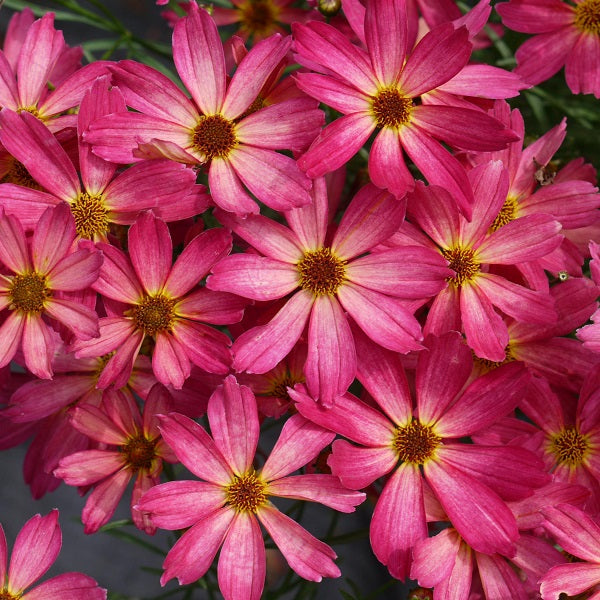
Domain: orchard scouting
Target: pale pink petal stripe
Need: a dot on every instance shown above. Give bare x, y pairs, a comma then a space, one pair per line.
14, 252
80, 319
582, 69
117, 278
88, 466
38, 346
233, 418
338, 95
227, 190
76, 271
536, 16
387, 166
103, 500
68, 586
310, 222
571, 579
170, 361
307, 556
434, 558
52, 237
242, 564
11, 332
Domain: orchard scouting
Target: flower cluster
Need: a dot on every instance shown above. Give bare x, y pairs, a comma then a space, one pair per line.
334, 223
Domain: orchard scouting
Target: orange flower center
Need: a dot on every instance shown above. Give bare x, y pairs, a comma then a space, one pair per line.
391, 109
321, 272
246, 493
570, 447
587, 16
17, 173
259, 17
154, 314
139, 453
461, 261
6, 595
486, 365
280, 385
28, 292
91, 216
214, 137
415, 443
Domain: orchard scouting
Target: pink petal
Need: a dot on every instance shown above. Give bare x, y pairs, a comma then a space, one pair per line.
195, 449
14, 252
180, 504
309, 223
117, 278
199, 58
233, 419
205, 346
387, 166
227, 190
259, 349
52, 237
150, 249
170, 361
306, 555
81, 320
582, 69
77, 270
299, 442
38, 346
331, 362
68, 586
195, 261
399, 520
36, 547
218, 308
114, 331
11, 332
242, 563
434, 558
89, 466
571, 579
325, 489
481, 518
119, 367
334, 93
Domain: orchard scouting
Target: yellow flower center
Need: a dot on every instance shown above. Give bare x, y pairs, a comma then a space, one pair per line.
391, 109
570, 447
507, 213
32, 110
258, 17
461, 261
139, 452
587, 16
91, 216
321, 272
6, 595
246, 493
486, 365
28, 292
154, 314
415, 443
214, 137
17, 173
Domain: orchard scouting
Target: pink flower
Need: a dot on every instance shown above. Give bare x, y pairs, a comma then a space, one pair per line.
378, 90
563, 35
225, 509
327, 278
43, 274
422, 445
139, 453
219, 128
154, 298
36, 548
104, 198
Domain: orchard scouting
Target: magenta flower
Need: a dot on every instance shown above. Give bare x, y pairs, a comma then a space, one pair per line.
421, 445
156, 299
225, 509
139, 452
328, 278
378, 90
36, 548
103, 199
469, 300
43, 274
564, 35
220, 127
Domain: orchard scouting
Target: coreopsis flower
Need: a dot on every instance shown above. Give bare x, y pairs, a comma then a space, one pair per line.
157, 299
36, 548
563, 35
380, 89
423, 446
225, 508
590, 334
25, 89
135, 449
578, 535
104, 198
41, 275
218, 127
326, 278
468, 303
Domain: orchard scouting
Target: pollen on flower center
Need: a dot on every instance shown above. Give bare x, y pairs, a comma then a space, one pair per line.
17, 173
6, 595
391, 108
91, 216
28, 292
489, 365
280, 385
587, 16
569, 446
321, 272
139, 453
214, 137
415, 443
462, 262
30, 109
246, 493
258, 16
507, 213
154, 314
